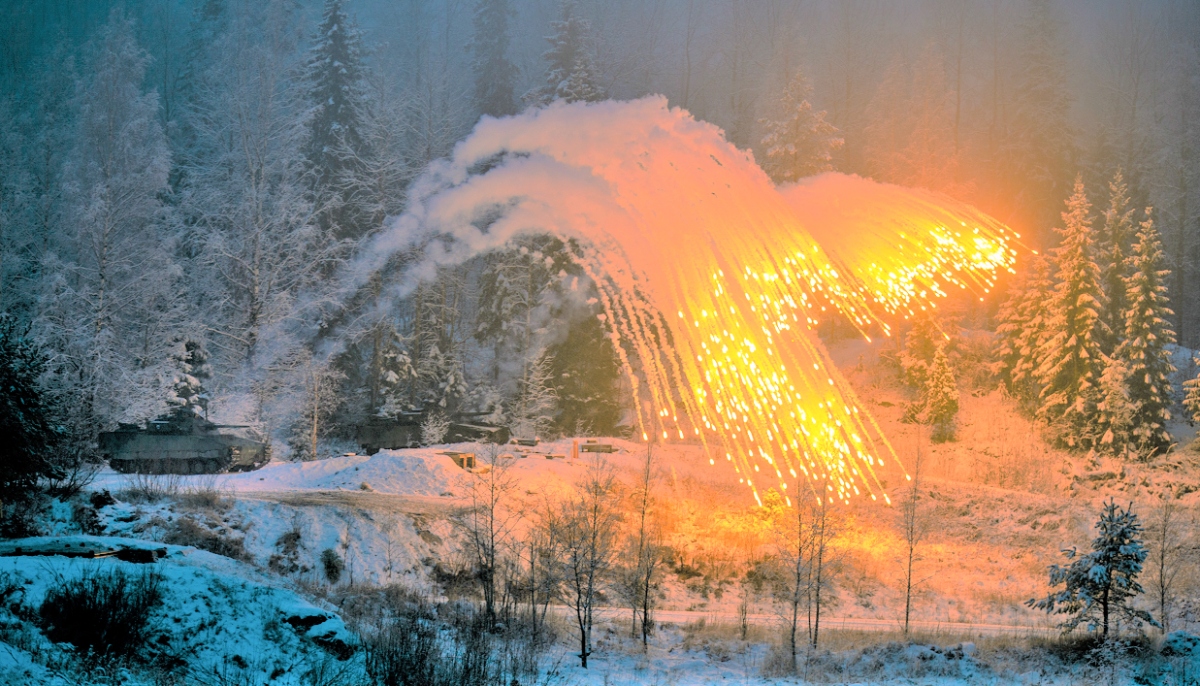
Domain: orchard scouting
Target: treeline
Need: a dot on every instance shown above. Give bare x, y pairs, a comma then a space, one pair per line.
1085, 338
199, 171
136, 239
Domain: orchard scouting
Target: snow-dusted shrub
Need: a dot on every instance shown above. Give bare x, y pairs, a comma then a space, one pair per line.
287, 560
150, 488
204, 495
105, 615
418, 646
332, 564
434, 428
187, 531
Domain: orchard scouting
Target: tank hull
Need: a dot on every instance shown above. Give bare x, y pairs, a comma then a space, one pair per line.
149, 452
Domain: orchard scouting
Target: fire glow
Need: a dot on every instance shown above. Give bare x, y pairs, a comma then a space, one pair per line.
711, 278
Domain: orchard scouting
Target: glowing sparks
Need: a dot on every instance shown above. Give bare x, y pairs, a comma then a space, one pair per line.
671, 218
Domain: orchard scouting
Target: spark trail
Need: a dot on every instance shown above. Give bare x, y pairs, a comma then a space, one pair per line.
712, 279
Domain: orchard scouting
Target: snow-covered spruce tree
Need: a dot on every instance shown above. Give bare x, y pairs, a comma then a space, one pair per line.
1099, 586
1039, 140
533, 409
1022, 320
909, 117
437, 343
1191, 398
571, 73
801, 142
27, 419
188, 394
392, 373
1112, 248
335, 149
586, 375
941, 396
1071, 360
1011, 320
1114, 419
1143, 352
920, 345
495, 74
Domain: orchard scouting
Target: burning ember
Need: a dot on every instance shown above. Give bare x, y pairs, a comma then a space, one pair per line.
711, 278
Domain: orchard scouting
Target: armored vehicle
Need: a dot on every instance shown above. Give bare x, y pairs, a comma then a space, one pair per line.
181, 443
404, 431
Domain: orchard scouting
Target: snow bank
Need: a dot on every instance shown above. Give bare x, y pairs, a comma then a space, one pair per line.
219, 615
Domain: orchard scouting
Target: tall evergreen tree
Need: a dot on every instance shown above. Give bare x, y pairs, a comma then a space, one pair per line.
801, 142
1144, 350
335, 149
495, 74
1191, 398
1114, 418
906, 139
571, 73
1040, 141
941, 396
27, 419
1070, 355
1112, 246
188, 394
1034, 315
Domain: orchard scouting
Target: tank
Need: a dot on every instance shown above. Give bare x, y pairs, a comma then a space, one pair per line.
181, 443
404, 431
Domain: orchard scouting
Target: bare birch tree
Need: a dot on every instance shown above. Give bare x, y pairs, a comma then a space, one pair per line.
588, 533
914, 527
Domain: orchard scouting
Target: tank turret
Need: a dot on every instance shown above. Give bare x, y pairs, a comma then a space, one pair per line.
181, 443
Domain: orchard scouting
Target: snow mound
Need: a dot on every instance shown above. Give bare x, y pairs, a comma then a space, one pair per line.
409, 472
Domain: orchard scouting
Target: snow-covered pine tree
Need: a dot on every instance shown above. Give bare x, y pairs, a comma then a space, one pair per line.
1115, 410
27, 419
495, 74
1039, 140
1036, 314
1144, 351
1071, 360
437, 343
188, 394
801, 142
335, 149
941, 396
1011, 322
908, 119
391, 373
533, 410
920, 347
586, 376
1099, 585
1191, 398
571, 72
1112, 246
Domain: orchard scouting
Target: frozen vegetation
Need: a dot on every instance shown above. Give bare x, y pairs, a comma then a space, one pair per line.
840, 342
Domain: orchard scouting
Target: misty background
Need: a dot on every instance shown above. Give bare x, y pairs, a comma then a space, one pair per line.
175, 172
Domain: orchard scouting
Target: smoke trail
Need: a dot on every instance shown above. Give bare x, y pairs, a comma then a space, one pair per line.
708, 274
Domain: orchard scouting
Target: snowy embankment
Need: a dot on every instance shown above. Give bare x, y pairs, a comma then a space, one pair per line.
215, 612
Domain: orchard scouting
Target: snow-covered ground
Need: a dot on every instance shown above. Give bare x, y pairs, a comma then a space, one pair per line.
218, 616
999, 502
